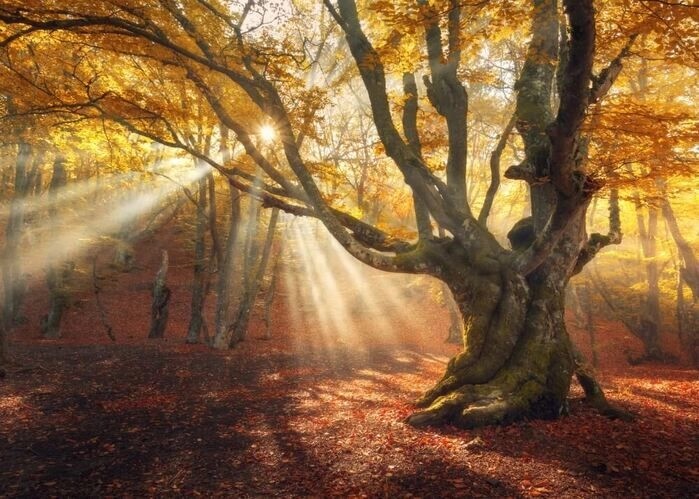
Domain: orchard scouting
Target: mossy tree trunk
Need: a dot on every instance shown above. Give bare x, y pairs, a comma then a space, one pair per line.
455, 334
517, 361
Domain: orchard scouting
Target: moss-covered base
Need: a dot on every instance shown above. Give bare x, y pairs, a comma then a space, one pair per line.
521, 370
536, 389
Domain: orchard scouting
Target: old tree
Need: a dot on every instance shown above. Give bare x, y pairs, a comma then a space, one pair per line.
251, 61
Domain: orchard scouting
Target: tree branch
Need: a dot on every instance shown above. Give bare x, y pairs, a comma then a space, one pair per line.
495, 170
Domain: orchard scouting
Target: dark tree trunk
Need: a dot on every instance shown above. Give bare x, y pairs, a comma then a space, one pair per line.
4, 344
161, 301
196, 319
11, 266
586, 298
59, 271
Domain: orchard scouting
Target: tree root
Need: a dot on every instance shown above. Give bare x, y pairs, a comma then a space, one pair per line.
480, 364
508, 397
594, 395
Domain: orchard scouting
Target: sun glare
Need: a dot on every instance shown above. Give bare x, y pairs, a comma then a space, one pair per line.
267, 133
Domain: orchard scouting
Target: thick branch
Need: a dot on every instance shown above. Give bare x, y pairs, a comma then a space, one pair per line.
422, 215
449, 98
597, 242
575, 96
606, 78
431, 190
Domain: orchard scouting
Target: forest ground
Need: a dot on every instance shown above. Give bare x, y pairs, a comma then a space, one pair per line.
305, 415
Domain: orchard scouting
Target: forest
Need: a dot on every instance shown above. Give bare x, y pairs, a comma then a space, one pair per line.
349, 248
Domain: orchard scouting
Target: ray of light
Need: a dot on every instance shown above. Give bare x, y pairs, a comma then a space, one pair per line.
368, 300
67, 194
312, 287
74, 232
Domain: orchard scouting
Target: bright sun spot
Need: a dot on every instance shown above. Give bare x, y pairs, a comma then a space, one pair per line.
267, 133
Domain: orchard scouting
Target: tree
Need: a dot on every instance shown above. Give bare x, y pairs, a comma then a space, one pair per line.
518, 360
61, 268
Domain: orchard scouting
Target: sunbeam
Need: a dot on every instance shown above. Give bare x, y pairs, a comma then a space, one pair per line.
337, 300
73, 233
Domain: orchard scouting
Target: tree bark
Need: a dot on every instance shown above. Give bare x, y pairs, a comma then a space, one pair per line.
59, 271
226, 274
516, 362
456, 324
161, 301
240, 325
196, 319
11, 265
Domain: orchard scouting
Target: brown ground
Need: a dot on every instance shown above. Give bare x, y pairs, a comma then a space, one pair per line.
303, 415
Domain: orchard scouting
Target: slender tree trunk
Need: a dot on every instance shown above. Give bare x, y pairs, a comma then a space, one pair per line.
213, 226
226, 274
271, 293
4, 344
690, 270
586, 299
123, 251
251, 245
649, 322
240, 325
11, 265
161, 301
59, 271
200, 265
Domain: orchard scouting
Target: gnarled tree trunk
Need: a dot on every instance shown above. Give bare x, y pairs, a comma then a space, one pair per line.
518, 361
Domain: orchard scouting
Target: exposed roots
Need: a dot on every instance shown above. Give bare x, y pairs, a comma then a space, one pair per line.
523, 372
496, 339
594, 395
505, 399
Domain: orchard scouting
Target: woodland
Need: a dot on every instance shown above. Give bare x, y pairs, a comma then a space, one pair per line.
349, 248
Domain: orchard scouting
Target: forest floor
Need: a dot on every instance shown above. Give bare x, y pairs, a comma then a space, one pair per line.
310, 415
